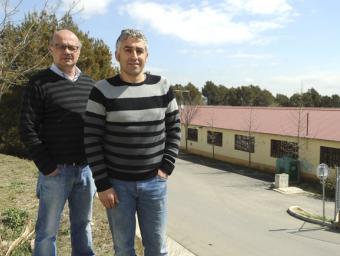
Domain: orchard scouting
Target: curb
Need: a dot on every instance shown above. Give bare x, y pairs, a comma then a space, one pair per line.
174, 248
294, 211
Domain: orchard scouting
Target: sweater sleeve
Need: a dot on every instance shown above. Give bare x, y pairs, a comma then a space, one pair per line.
31, 120
94, 129
173, 133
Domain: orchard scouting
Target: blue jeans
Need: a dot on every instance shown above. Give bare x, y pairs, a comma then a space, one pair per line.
75, 184
147, 198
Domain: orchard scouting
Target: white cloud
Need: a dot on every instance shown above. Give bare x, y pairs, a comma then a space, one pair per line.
201, 51
155, 69
249, 80
266, 7
87, 8
260, 26
251, 56
214, 23
202, 26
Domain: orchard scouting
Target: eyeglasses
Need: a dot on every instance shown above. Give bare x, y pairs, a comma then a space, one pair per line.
63, 47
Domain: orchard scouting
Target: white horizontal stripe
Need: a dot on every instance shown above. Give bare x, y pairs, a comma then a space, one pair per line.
144, 115
145, 90
134, 139
95, 107
172, 106
136, 129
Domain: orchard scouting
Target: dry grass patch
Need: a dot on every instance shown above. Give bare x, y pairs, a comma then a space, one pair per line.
18, 179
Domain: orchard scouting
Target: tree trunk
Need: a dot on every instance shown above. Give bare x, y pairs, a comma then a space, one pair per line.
249, 159
186, 138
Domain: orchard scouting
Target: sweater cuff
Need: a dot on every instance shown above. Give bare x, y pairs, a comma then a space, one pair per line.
167, 167
102, 185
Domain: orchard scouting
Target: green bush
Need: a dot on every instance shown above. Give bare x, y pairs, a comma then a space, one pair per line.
14, 218
330, 186
10, 107
12, 222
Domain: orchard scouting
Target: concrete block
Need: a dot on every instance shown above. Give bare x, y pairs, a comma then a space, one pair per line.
281, 180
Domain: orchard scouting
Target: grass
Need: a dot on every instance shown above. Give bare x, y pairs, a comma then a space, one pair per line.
312, 215
18, 204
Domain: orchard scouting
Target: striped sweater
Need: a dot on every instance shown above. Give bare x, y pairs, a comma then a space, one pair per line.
131, 130
52, 119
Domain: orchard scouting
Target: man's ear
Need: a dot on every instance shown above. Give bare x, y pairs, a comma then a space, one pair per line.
117, 56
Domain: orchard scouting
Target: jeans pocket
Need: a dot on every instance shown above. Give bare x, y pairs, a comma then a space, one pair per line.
60, 169
160, 178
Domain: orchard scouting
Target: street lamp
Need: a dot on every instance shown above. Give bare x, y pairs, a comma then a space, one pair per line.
322, 173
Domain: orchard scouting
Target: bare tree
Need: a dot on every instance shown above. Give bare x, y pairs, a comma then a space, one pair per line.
250, 139
8, 11
188, 109
246, 143
211, 134
301, 120
14, 43
187, 113
11, 73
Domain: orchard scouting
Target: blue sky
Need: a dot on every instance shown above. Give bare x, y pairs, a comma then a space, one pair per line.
284, 46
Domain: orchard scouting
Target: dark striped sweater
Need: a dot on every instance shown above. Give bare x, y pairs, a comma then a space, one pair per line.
131, 130
52, 119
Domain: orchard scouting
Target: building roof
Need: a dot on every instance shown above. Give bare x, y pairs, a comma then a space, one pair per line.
315, 123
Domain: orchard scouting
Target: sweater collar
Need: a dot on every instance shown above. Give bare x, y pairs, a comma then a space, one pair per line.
59, 72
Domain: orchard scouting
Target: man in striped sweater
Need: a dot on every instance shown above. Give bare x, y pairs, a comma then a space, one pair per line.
132, 136
51, 127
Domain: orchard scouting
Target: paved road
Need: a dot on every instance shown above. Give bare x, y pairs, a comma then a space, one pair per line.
220, 210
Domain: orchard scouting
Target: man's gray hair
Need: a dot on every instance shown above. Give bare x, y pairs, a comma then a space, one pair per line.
134, 33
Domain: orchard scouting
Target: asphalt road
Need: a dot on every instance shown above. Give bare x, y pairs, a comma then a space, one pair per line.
220, 210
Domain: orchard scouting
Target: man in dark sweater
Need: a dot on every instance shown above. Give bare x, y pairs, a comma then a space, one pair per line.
51, 127
132, 136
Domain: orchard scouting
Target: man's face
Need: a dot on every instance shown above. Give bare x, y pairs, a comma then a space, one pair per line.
132, 55
65, 49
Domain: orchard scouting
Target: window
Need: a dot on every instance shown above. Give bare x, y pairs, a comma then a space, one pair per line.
192, 134
281, 148
214, 138
330, 156
244, 143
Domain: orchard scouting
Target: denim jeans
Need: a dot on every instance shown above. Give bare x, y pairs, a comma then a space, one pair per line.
147, 198
75, 185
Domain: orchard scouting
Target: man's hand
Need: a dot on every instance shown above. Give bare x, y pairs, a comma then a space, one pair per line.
54, 173
162, 174
108, 198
